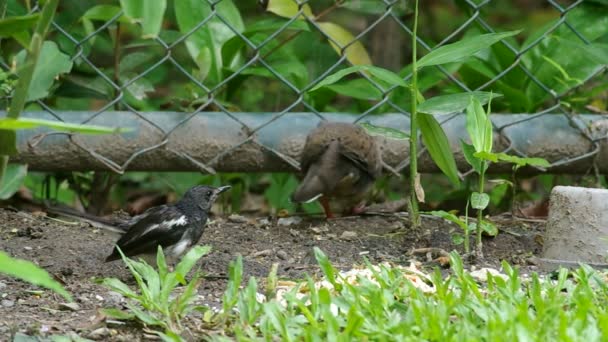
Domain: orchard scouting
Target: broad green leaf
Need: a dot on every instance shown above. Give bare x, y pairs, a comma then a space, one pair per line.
161, 263
28, 271
51, 64
489, 156
117, 314
120, 287
359, 88
386, 76
145, 317
479, 200
205, 44
519, 161
293, 70
190, 259
462, 49
327, 268
386, 132
15, 25
343, 42
14, 175
149, 13
457, 239
104, 13
438, 145
479, 126
454, 103
469, 154
397, 8
450, 217
29, 123
288, 9
489, 227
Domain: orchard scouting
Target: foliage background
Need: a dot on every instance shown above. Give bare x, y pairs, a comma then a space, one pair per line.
192, 56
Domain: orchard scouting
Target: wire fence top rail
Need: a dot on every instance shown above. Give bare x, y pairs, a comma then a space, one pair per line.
233, 57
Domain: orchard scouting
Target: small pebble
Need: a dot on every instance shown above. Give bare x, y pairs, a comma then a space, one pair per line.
262, 253
8, 303
281, 254
27, 248
69, 306
234, 218
99, 334
2, 285
289, 221
348, 235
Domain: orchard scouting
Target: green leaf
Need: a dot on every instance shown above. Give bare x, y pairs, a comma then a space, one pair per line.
149, 13
450, 217
479, 201
29, 123
519, 161
489, 156
161, 263
205, 44
14, 175
437, 143
489, 227
51, 64
454, 103
462, 49
120, 287
189, 260
469, 154
343, 42
117, 314
384, 75
386, 132
288, 9
479, 126
104, 13
326, 267
15, 25
457, 239
359, 88
28, 271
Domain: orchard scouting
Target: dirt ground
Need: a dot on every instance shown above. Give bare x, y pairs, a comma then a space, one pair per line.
74, 252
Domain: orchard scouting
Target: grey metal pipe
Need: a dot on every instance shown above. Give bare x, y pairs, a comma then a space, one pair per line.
254, 142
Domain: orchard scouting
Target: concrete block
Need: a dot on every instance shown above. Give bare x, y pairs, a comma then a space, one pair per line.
577, 228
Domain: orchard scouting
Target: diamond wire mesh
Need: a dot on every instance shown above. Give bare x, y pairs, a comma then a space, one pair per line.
264, 53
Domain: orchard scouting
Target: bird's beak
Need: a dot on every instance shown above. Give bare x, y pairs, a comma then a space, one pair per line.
222, 189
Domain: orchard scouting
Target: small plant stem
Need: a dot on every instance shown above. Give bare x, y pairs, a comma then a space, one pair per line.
413, 208
480, 212
26, 72
467, 247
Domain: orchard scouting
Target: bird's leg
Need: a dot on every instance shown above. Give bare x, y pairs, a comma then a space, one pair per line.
325, 204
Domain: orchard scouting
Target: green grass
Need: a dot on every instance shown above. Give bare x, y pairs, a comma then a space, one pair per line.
394, 303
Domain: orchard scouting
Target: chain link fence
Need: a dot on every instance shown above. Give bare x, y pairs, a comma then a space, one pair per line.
240, 59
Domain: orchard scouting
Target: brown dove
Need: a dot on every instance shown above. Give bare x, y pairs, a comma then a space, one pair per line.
340, 161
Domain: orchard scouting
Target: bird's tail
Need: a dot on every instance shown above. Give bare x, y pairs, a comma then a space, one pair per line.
113, 225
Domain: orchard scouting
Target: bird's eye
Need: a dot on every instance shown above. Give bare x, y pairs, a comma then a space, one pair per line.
208, 194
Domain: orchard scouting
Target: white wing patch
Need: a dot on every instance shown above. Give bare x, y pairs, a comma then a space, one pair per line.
179, 248
180, 221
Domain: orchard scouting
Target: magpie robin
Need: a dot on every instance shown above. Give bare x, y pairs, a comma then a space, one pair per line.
175, 227
340, 161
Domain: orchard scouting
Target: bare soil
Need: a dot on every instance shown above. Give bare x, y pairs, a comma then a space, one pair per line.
73, 252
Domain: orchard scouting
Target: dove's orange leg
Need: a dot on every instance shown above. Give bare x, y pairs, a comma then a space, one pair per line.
325, 203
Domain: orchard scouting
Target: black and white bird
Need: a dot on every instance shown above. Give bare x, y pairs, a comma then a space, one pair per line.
175, 227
